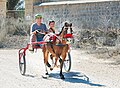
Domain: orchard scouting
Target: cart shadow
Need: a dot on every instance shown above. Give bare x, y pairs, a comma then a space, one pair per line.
75, 77
29, 75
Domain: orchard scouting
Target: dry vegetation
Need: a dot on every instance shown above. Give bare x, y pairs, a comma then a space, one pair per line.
101, 44
13, 32
97, 37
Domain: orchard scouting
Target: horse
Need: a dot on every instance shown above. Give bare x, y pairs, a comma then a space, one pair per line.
57, 47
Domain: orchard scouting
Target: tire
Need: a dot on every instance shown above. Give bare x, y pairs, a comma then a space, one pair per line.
67, 63
22, 64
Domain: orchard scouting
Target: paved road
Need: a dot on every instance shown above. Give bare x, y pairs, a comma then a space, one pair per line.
86, 72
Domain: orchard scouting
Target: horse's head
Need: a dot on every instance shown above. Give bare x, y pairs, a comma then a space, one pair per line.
67, 31
67, 28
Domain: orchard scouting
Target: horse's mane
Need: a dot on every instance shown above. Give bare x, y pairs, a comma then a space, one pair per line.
61, 31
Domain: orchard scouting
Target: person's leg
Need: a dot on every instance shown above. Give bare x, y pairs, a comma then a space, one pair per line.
41, 39
32, 39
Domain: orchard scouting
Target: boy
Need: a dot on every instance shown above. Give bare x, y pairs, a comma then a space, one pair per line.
37, 26
52, 25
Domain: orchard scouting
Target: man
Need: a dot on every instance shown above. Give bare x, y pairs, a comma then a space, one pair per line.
35, 27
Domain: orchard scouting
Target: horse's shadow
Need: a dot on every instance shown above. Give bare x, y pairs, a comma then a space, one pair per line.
75, 77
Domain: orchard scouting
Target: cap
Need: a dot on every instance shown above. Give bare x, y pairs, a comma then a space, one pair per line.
38, 16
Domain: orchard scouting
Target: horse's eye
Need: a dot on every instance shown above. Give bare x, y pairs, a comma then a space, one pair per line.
66, 28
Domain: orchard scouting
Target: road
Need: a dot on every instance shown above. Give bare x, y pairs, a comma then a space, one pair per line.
86, 72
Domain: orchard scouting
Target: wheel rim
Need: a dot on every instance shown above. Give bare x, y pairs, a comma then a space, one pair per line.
22, 64
67, 63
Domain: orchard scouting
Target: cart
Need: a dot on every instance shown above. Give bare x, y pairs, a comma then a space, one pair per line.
36, 45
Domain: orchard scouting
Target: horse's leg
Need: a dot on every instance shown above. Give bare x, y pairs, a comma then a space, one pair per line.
46, 61
45, 54
61, 74
61, 65
56, 59
51, 57
63, 55
46, 73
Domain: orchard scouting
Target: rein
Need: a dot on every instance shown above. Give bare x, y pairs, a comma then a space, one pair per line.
53, 35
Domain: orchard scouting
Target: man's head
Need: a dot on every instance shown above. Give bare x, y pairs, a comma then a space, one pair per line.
52, 24
38, 19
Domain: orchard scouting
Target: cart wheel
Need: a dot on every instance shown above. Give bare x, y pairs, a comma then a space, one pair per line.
22, 64
67, 63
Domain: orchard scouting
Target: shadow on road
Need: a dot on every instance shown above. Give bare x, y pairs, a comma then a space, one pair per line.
29, 75
75, 77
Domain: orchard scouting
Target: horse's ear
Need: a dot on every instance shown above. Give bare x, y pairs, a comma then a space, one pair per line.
66, 24
70, 24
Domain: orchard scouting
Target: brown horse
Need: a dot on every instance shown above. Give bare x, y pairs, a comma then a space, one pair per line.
58, 48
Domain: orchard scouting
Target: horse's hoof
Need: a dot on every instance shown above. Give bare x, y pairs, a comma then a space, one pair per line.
51, 69
62, 77
46, 76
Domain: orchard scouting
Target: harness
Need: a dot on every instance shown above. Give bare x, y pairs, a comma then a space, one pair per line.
51, 37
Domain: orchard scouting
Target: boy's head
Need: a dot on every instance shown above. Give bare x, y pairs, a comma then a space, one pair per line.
51, 24
38, 18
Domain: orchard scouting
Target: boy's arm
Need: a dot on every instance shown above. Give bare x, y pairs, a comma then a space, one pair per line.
45, 29
32, 30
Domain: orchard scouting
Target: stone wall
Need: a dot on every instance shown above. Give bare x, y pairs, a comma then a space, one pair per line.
2, 8
83, 15
28, 9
